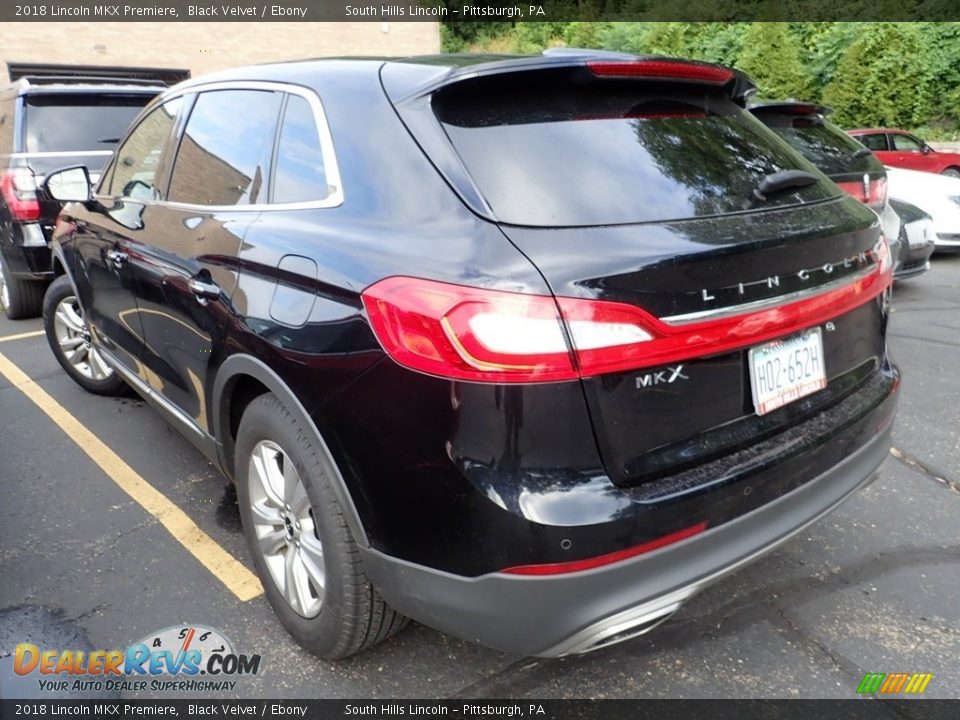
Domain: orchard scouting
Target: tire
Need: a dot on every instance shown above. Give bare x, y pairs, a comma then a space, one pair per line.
19, 299
952, 172
304, 530
69, 340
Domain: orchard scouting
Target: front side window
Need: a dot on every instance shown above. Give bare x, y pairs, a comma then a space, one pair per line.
907, 143
224, 155
875, 141
137, 172
300, 174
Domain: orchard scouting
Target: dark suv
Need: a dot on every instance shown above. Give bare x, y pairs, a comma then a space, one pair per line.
47, 123
529, 349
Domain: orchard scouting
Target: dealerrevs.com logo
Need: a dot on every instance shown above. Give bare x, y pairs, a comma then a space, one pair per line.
186, 658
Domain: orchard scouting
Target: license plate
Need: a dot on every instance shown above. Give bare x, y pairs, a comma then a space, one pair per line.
786, 370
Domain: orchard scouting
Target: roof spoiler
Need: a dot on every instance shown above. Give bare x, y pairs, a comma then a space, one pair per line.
443, 71
790, 107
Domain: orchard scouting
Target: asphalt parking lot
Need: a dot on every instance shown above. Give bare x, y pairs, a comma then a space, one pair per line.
874, 587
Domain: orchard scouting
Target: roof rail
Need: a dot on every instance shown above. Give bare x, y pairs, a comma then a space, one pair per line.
39, 73
80, 80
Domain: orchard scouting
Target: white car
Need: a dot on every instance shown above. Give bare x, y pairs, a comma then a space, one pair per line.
936, 195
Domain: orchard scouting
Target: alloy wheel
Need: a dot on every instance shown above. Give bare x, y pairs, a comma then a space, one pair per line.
285, 529
73, 337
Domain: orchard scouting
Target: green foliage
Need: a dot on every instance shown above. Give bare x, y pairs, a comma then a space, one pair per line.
883, 79
903, 74
771, 56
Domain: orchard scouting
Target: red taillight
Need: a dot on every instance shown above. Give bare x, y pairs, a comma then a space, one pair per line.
872, 192
469, 333
481, 335
19, 189
877, 194
662, 69
609, 558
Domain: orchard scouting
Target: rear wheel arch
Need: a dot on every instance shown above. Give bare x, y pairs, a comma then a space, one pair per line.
240, 380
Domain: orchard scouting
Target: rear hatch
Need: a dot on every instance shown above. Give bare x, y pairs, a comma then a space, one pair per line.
845, 161
63, 129
649, 192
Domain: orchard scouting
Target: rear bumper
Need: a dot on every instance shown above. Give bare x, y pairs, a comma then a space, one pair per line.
560, 615
914, 260
948, 242
23, 259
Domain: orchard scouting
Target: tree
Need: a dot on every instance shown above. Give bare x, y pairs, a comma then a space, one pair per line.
771, 56
883, 78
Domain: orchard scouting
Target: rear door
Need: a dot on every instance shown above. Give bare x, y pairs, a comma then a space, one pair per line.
878, 143
218, 183
647, 193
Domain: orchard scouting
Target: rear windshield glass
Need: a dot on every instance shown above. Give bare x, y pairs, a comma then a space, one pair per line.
822, 143
553, 152
79, 123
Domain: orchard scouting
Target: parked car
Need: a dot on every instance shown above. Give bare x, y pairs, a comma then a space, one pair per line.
936, 195
900, 149
916, 240
47, 123
586, 339
845, 161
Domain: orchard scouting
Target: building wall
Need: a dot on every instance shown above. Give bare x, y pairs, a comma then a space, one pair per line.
204, 47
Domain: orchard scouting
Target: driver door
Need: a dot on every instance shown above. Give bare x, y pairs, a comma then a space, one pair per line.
110, 235
909, 152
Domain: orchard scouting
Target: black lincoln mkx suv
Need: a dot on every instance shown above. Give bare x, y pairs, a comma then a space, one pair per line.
528, 349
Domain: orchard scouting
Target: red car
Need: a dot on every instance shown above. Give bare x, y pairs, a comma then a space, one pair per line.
898, 148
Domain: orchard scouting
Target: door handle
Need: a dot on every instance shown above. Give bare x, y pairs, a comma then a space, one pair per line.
117, 257
203, 289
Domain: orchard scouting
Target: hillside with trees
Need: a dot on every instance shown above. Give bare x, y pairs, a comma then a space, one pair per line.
890, 74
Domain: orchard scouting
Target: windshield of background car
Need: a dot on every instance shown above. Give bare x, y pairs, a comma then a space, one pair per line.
822, 143
555, 153
82, 122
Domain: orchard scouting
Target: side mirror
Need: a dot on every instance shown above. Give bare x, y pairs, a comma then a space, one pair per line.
927, 150
69, 185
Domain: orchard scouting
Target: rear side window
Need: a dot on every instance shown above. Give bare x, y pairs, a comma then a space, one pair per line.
875, 141
551, 152
224, 154
68, 123
138, 171
299, 174
825, 145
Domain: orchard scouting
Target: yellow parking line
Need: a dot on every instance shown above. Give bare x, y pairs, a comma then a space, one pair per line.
227, 569
22, 336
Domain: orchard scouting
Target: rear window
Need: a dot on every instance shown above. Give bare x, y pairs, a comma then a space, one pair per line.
67, 123
822, 143
553, 152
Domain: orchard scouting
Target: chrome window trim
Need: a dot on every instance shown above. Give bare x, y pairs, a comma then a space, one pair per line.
766, 303
331, 168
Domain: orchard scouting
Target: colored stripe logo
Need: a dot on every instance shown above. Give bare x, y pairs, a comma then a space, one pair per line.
894, 683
